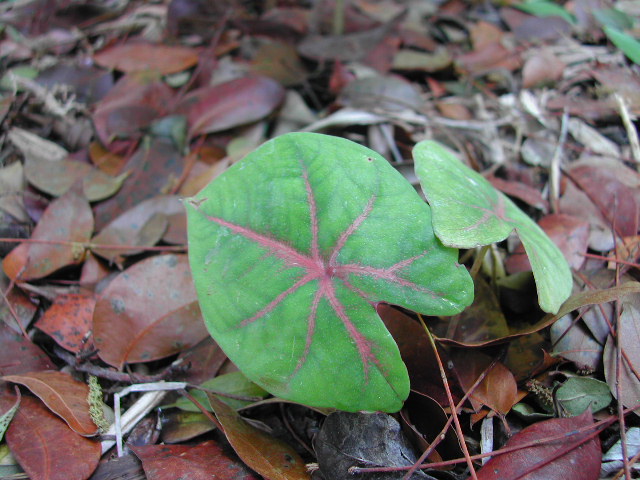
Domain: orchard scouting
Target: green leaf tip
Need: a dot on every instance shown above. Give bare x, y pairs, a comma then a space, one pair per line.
469, 212
293, 247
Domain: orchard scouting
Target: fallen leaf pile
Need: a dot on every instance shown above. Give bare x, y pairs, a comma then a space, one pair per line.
113, 112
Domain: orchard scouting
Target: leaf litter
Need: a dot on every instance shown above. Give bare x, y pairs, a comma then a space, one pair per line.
105, 111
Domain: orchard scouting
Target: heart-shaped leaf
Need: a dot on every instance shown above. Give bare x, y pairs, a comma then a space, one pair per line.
469, 212
292, 248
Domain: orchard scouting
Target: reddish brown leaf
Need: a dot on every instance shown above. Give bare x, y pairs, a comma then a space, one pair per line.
615, 200
131, 105
553, 460
498, 390
154, 302
230, 104
200, 462
575, 343
490, 57
44, 445
543, 68
68, 320
527, 355
92, 271
143, 57
346, 48
416, 353
576, 203
143, 225
63, 395
89, 83
569, 233
267, 455
153, 169
521, 191
67, 219
205, 360
19, 355
484, 34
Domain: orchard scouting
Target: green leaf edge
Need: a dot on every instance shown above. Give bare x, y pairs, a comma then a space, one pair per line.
552, 292
625, 42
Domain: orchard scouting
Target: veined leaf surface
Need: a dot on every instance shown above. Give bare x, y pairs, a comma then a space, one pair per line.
468, 212
290, 250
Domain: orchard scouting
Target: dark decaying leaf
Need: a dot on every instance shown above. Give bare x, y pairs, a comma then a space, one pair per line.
63, 395
416, 352
68, 320
575, 343
348, 47
362, 440
481, 323
143, 225
497, 390
89, 83
204, 461
152, 170
290, 250
67, 219
137, 57
155, 303
18, 303
230, 104
45, 447
19, 355
613, 198
267, 455
130, 107
628, 339
549, 460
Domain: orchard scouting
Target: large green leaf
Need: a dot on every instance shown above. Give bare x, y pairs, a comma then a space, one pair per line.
468, 212
292, 248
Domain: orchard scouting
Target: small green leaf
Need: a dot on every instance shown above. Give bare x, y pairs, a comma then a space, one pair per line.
468, 212
579, 393
610, 17
292, 248
234, 383
629, 45
544, 8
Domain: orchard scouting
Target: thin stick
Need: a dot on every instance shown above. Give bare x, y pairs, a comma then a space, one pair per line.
596, 427
204, 411
454, 413
554, 174
440, 437
632, 133
90, 245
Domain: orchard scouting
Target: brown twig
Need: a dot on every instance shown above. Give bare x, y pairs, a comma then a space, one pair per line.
454, 413
442, 433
